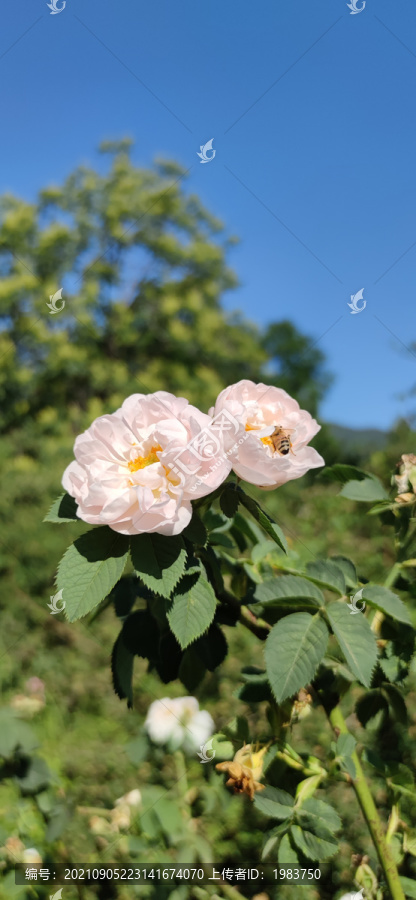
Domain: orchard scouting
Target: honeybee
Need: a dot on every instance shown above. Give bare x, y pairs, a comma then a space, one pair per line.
280, 440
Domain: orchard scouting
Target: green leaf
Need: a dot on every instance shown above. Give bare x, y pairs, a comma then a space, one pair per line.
347, 764
195, 531
215, 521
249, 529
238, 730
191, 669
122, 670
15, 735
254, 692
343, 473
229, 500
293, 651
409, 841
356, 640
385, 600
263, 519
36, 776
396, 703
63, 509
409, 886
345, 745
367, 491
253, 674
89, 569
170, 658
326, 573
287, 856
262, 550
192, 610
137, 750
348, 569
274, 802
252, 573
141, 635
275, 591
316, 812
159, 561
400, 778
212, 648
58, 820
313, 846
223, 748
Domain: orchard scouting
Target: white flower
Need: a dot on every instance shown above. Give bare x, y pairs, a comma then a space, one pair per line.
134, 470
31, 856
264, 412
178, 723
133, 798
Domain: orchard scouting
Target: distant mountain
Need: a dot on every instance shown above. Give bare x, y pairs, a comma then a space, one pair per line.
362, 440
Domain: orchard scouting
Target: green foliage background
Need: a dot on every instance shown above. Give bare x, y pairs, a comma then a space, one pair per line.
143, 267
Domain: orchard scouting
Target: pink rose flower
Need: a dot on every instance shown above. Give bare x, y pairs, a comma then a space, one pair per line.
270, 447
135, 471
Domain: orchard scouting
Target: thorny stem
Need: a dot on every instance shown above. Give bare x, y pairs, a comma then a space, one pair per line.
370, 813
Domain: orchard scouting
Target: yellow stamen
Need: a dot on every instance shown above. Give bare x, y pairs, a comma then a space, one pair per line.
142, 461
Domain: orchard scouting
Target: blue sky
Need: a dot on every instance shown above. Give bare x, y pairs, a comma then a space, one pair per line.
311, 110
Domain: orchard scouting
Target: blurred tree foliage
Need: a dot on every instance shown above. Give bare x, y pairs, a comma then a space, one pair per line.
143, 267
298, 366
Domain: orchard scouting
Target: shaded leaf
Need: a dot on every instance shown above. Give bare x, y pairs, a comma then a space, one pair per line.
36, 776
212, 648
141, 635
191, 669
122, 670
159, 561
396, 703
170, 657
342, 473
195, 531
263, 519
229, 500
63, 509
